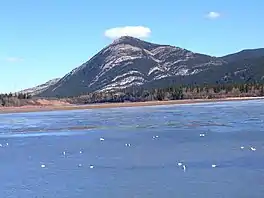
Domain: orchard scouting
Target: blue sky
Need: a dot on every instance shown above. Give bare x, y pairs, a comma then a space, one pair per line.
41, 40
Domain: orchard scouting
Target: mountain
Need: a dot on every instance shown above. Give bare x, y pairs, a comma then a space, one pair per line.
130, 62
242, 71
244, 54
40, 88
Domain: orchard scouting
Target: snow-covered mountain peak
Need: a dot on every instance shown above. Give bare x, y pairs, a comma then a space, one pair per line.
126, 39
129, 62
134, 42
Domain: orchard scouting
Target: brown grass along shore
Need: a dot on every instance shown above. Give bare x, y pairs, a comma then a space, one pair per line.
50, 107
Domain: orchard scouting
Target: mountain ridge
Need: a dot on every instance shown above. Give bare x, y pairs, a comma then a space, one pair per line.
131, 62
39, 88
244, 54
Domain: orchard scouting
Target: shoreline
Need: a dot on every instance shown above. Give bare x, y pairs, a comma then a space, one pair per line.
27, 109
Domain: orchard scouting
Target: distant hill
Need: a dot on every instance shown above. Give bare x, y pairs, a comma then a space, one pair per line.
40, 88
130, 62
244, 54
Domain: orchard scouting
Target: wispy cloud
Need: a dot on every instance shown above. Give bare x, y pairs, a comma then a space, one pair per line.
134, 31
13, 59
213, 15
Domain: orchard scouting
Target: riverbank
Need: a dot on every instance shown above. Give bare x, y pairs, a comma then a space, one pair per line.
63, 107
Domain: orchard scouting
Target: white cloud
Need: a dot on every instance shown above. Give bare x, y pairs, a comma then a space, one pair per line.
213, 15
134, 31
14, 59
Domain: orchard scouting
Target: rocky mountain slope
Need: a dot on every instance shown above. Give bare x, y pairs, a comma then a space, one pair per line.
131, 62
40, 88
242, 71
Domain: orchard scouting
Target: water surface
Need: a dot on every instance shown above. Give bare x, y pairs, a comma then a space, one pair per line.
60, 154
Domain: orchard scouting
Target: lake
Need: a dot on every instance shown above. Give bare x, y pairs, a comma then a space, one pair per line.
195, 150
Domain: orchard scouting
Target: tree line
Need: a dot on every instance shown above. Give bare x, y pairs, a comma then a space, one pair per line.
14, 99
136, 94
175, 92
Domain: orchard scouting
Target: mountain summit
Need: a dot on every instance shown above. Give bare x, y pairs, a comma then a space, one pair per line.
128, 40
129, 61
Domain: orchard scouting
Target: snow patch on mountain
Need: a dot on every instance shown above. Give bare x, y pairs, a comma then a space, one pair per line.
182, 72
126, 74
124, 83
154, 69
161, 76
